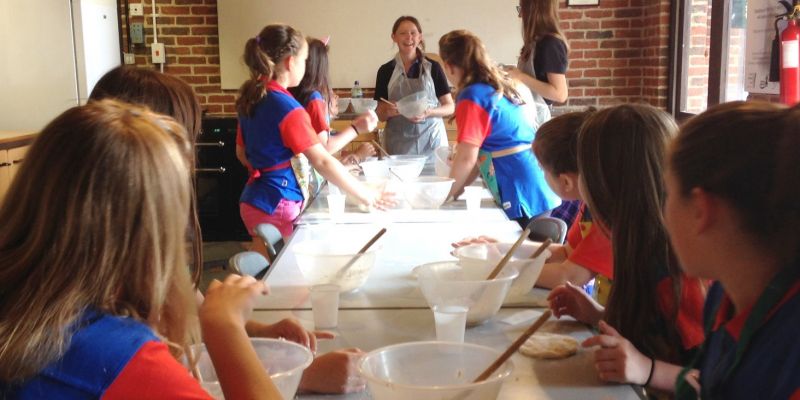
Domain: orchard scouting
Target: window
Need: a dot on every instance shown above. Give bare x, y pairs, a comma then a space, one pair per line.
708, 50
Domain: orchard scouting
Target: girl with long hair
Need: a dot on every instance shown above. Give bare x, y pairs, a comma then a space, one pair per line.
275, 127
652, 306
494, 135
732, 214
543, 61
173, 97
93, 246
315, 94
409, 73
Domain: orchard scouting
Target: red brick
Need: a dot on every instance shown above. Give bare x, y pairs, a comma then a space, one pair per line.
205, 31
174, 10
191, 40
192, 60
596, 73
205, 50
204, 10
193, 20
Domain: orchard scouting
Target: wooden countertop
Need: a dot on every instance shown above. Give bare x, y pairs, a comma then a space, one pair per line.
9, 139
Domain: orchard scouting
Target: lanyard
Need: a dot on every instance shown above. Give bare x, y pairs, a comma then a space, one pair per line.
772, 295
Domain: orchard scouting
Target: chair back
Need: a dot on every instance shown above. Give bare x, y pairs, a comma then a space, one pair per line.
249, 263
272, 238
549, 227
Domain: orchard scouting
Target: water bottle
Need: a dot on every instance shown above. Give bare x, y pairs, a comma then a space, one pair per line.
356, 91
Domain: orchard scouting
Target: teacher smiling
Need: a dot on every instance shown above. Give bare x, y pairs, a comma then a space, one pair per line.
411, 73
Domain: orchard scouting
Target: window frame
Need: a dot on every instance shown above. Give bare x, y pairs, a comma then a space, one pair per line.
718, 54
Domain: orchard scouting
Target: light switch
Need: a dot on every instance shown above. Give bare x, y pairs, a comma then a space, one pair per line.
157, 50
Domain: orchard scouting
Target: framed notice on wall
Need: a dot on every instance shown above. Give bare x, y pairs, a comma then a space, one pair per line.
760, 33
583, 2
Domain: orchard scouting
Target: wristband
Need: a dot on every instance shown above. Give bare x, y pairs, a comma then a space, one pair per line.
354, 128
652, 368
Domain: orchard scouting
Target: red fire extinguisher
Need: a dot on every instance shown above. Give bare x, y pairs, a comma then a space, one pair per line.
790, 60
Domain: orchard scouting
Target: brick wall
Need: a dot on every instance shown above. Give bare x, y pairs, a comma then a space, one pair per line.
619, 50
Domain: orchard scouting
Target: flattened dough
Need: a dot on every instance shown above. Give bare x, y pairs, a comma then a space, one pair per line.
549, 346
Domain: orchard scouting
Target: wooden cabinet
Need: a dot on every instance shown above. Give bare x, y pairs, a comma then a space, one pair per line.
13, 147
5, 173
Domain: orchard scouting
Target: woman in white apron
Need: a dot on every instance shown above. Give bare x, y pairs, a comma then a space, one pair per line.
410, 72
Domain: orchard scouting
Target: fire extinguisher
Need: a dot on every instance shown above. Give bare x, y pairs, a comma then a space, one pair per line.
790, 60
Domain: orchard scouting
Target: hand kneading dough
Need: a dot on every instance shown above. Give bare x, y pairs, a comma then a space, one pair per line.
549, 346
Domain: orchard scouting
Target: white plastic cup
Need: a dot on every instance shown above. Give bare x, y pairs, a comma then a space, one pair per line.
325, 305
336, 205
472, 196
451, 321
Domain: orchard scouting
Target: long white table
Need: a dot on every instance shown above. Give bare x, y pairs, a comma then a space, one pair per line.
391, 283
570, 378
453, 210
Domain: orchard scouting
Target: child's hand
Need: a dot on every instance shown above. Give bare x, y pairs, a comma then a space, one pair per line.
366, 122
572, 300
289, 329
617, 360
365, 150
231, 301
383, 200
472, 240
334, 372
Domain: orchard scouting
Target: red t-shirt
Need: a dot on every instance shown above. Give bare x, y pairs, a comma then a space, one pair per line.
591, 248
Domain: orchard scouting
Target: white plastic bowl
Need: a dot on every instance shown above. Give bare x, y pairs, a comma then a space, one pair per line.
483, 257
284, 361
376, 183
441, 163
412, 105
427, 191
448, 284
321, 262
361, 106
342, 103
432, 371
406, 169
375, 168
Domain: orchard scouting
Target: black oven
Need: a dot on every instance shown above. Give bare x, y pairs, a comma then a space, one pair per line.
220, 179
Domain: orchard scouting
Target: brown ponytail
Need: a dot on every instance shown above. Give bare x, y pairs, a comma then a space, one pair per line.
747, 153
462, 49
261, 54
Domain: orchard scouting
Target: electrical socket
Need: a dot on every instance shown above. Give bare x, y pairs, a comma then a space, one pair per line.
157, 51
129, 58
137, 32
136, 10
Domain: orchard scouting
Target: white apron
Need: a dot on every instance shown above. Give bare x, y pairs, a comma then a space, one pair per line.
403, 136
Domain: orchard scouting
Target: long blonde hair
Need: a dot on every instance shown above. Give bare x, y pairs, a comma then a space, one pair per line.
462, 49
95, 219
539, 19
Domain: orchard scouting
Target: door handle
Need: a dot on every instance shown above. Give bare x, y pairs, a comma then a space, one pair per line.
220, 170
210, 144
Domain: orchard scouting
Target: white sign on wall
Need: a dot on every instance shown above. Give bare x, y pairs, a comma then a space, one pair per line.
760, 32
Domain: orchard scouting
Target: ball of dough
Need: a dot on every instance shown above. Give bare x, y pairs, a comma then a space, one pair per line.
549, 346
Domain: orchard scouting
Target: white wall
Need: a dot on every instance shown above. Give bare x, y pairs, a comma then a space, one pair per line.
38, 62
360, 30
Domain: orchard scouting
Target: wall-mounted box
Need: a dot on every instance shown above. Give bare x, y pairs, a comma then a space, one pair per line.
137, 32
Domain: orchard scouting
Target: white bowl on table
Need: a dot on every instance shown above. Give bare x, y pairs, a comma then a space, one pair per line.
322, 262
342, 103
361, 106
375, 168
427, 191
446, 283
284, 361
432, 371
484, 256
441, 161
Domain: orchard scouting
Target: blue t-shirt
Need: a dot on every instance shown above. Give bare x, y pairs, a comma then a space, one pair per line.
493, 122
770, 367
278, 129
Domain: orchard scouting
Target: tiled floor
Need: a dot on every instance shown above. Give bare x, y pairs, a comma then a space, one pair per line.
215, 260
